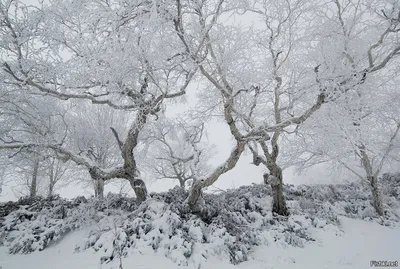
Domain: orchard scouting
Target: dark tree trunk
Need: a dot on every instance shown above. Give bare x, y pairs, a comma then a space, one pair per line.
376, 196
99, 188
181, 183
51, 189
52, 181
274, 178
139, 188
33, 187
195, 199
98, 183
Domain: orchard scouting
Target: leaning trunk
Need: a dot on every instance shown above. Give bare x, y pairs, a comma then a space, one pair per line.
376, 196
139, 187
195, 199
33, 187
274, 178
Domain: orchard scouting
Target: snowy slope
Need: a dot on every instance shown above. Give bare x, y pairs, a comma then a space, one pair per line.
360, 242
329, 227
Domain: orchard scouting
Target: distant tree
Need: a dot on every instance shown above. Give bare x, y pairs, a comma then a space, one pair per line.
178, 151
123, 187
91, 135
28, 175
28, 119
58, 174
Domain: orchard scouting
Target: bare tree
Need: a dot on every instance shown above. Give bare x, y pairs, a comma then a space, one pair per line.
122, 186
58, 174
91, 134
27, 174
178, 151
358, 116
27, 119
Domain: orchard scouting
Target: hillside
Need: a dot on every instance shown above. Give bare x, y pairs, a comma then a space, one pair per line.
330, 226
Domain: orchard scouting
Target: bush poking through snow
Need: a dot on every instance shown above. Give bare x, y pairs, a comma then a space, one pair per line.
237, 220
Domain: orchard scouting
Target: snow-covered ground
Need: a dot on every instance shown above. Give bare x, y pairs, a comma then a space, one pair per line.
330, 226
360, 242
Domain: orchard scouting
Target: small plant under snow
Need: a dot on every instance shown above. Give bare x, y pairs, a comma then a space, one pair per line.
237, 221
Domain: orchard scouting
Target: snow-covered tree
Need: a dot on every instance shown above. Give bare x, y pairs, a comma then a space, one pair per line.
57, 174
178, 151
359, 133
360, 130
28, 119
121, 54
91, 134
271, 78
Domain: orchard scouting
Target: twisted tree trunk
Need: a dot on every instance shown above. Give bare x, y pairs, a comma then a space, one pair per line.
139, 188
274, 178
195, 199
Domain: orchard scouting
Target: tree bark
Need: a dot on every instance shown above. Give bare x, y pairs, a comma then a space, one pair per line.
33, 186
274, 178
372, 179
99, 188
98, 183
139, 188
181, 183
51, 189
376, 196
195, 200
52, 181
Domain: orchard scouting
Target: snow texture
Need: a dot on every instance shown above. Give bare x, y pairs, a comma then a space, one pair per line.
238, 221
